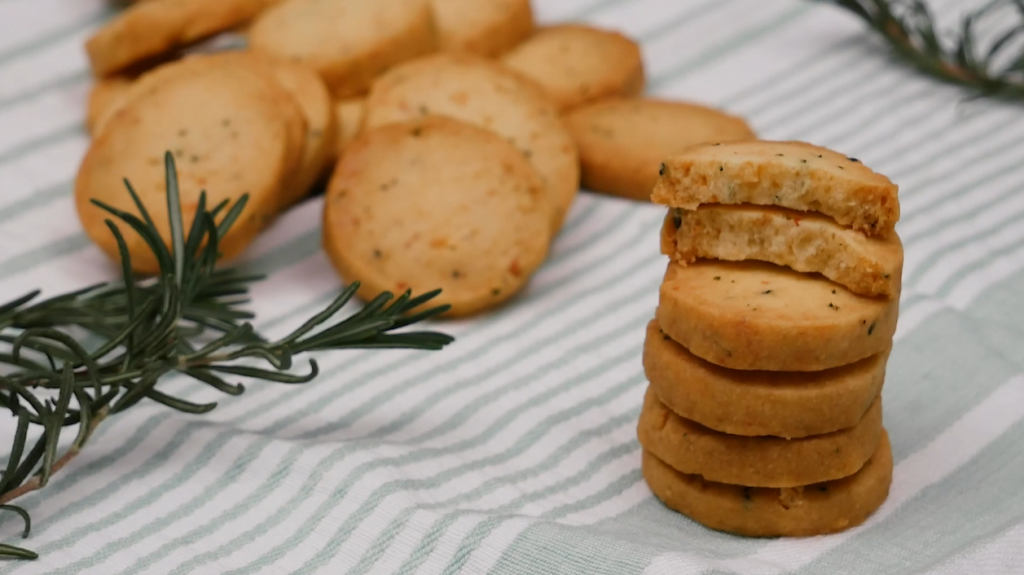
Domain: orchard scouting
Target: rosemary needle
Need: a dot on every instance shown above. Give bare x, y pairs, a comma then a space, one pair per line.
997, 70
186, 320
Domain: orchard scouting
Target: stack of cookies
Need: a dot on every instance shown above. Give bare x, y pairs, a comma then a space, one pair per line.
768, 352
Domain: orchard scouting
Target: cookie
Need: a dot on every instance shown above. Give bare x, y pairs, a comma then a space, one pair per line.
753, 403
481, 92
230, 134
150, 29
765, 461
350, 120
310, 93
349, 42
759, 316
792, 175
816, 509
622, 141
487, 29
577, 64
804, 241
310, 113
105, 97
436, 203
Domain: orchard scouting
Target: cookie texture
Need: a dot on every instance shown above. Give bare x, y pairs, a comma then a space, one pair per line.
436, 203
150, 29
310, 93
793, 175
348, 42
803, 241
350, 120
482, 92
690, 447
759, 316
576, 64
755, 403
622, 141
229, 134
105, 97
817, 509
488, 28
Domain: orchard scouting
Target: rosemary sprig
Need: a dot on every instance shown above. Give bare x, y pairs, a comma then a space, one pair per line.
993, 70
186, 320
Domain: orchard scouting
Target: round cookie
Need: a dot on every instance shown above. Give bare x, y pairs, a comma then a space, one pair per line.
230, 135
577, 64
311, 112
349, 42
151, 29
772, 512
753, 403
436, 203
481, 92
309, 92
622, 141
803, 241
488, 28
105, 97
758, 316
350, 120
690, 447
793, 175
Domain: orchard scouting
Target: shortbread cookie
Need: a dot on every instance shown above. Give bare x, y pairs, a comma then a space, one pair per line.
311, 112
759, 316
753, 403
489, 28
230, 136
690, 447
105, 97
350, 120
150, 29
804, 241
349, 42
577, 64
310, 93
436, 203
481, 92
622, 141
792, 175
772, 512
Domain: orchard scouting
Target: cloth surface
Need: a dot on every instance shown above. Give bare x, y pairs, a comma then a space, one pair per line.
514, 450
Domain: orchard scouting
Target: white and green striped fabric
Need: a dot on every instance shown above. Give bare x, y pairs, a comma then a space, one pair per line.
514, 451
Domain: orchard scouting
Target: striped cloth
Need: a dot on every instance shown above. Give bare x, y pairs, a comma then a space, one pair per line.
514, 450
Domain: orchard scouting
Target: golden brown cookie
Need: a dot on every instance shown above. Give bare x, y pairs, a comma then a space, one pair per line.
622, 141
313, 99
486, 28
230, 134
759, 316
793, 175
481, 92
436, 203
106, 95
350, 120
765, 461
804, 241
150, 29
752, 403
577, 64
349, 42
772, 512
311, 111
